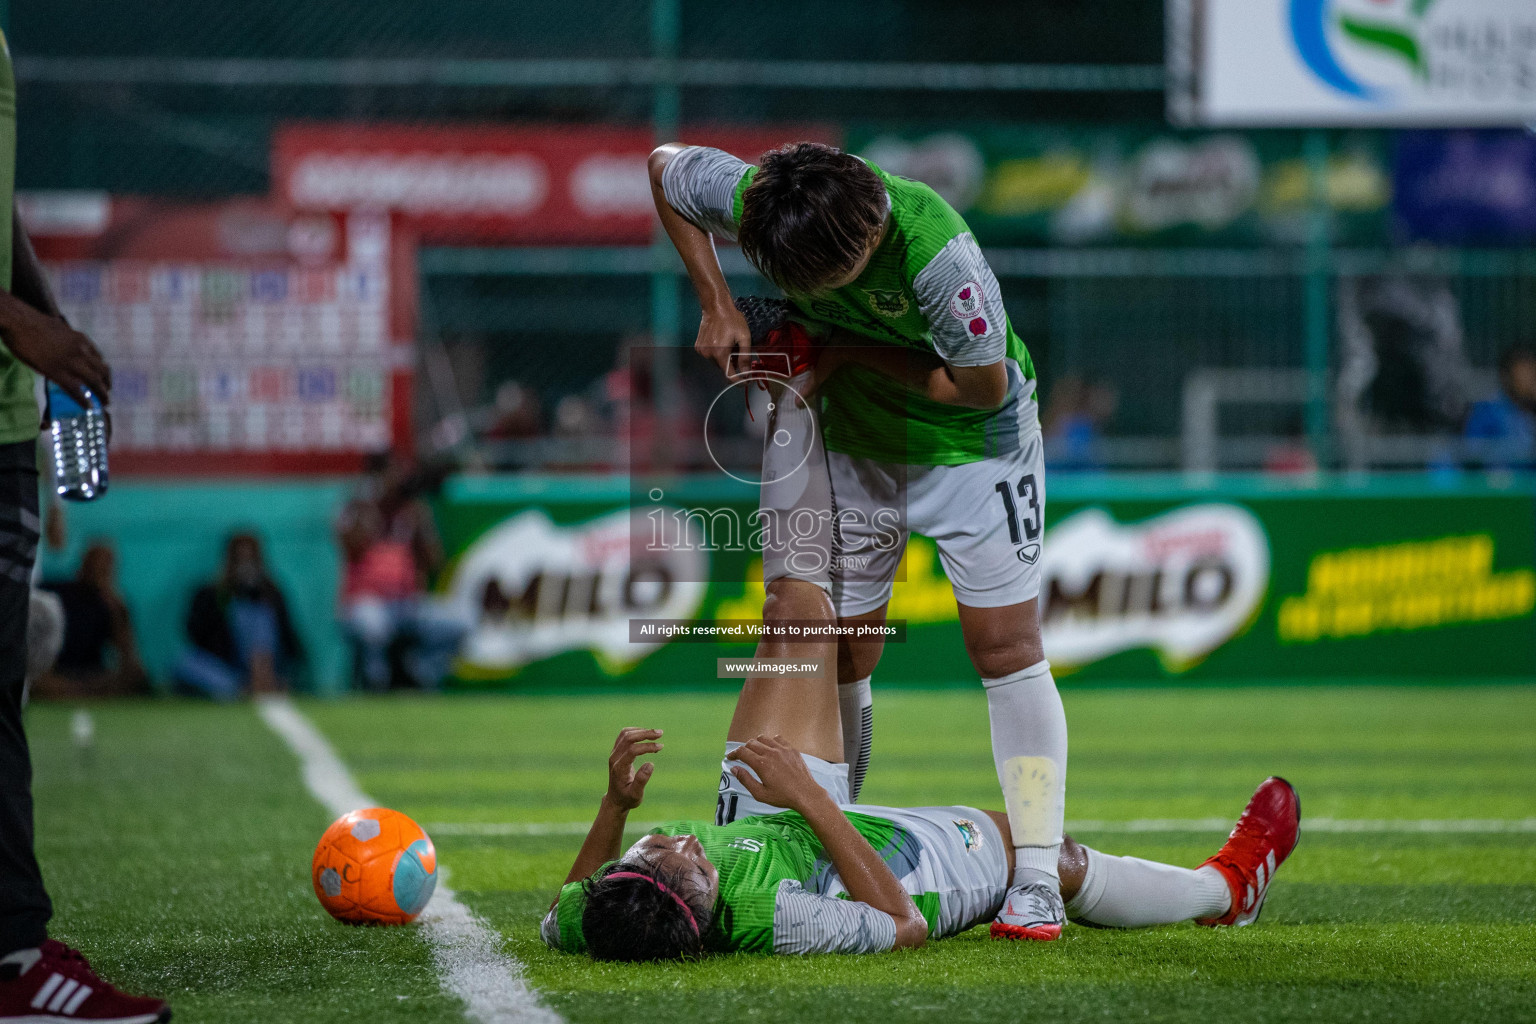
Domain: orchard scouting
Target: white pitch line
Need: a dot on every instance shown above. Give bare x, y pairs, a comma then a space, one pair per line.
466, 950
1391, 826
1470, 825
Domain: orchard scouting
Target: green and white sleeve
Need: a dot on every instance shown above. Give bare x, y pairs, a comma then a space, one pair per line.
700, 184
549, 929
808, 922
961, 300
561, 927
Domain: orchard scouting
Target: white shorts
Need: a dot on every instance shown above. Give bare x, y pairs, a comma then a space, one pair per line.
957, 851
733, 800
987, 518
959, 855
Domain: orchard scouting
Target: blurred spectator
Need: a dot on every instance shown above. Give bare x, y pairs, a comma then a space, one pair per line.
1074, 420
518, 413
391, 549
1501, 432
241, 635
1403, 368
658, 424
575, 417
1292, 456
99, 657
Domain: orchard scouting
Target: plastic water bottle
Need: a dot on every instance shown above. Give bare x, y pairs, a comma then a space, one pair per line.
79, 445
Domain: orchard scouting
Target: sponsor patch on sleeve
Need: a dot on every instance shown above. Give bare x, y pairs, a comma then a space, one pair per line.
967, 302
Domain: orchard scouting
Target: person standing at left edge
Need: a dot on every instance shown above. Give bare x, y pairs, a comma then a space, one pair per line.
41, 979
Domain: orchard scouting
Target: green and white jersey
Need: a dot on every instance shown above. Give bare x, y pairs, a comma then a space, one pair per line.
779, 892
927, 286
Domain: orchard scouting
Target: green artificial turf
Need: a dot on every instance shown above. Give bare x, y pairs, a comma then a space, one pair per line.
178, 846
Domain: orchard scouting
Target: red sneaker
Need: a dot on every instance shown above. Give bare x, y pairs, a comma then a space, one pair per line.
781, 347
54, 984
1265, 835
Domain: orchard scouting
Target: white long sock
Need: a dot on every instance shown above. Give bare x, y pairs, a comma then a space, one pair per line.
857, 704
1128, 892
1029, 745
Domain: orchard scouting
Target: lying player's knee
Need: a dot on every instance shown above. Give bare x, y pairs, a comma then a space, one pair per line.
789, 599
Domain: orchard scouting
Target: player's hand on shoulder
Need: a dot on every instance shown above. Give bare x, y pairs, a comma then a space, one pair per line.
626, 783
782, 780
722, 332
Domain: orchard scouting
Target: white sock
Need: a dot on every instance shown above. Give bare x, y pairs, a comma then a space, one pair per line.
857, 705
1029, 745
1128, 892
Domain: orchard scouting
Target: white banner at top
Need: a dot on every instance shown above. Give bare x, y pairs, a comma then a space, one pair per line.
1352, 62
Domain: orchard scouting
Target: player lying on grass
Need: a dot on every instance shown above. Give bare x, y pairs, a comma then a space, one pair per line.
823, 876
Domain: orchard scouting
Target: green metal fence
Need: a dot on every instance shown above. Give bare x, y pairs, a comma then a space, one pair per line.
164, 99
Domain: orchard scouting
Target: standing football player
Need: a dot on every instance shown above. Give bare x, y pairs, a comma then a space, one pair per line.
41, 979
928, 415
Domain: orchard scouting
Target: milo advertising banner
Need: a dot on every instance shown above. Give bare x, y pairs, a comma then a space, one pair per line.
1259, 583
1144, 580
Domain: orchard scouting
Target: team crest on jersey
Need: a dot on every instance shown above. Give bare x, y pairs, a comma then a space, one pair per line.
888, 303
967, 302
969, 832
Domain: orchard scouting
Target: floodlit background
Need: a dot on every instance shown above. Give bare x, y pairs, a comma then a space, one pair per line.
307, 235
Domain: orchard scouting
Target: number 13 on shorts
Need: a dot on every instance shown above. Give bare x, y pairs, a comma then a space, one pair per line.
1029, 506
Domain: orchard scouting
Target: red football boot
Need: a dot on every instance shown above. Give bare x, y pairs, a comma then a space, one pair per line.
781, 348
1265, 835
787, 351
54, 985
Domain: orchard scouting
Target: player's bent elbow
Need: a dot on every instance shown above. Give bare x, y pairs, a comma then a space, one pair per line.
657, 162
911, 931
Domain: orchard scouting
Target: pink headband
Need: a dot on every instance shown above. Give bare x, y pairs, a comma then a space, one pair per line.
692, 921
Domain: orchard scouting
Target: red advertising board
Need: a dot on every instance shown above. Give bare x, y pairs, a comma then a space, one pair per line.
243, 338
496, 184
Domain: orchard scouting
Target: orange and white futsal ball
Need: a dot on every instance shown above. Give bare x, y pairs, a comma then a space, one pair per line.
374, 866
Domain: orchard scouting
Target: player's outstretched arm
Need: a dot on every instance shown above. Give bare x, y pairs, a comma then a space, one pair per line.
626, 788
722, 328
786, 782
